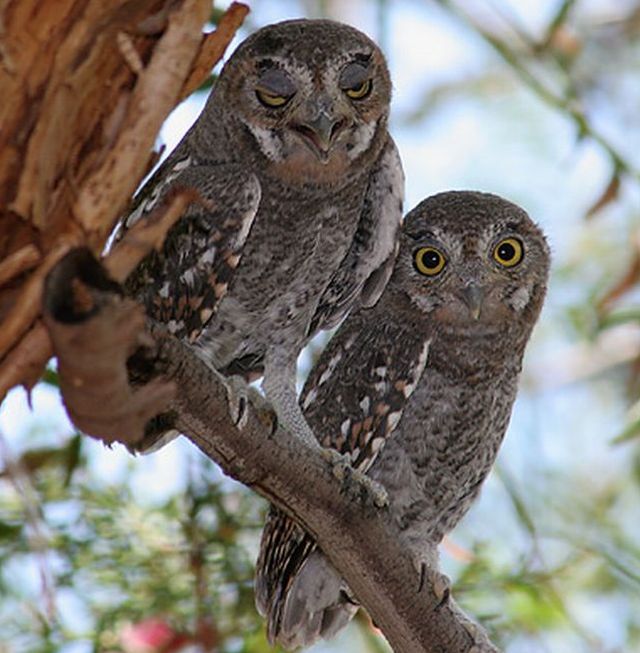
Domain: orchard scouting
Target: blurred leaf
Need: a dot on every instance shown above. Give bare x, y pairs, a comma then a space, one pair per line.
516, 500
9, 531
623, 316
628, 281
73, 457
630, 432
609, 195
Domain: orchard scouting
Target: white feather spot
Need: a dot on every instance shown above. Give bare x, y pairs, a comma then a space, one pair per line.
135, 215
205, 314
365, 404
354, 454
376, 444
345, 427
380, 387
349, 342
362, 137
267, 142
393, 419
520, 298
331, 366
380, 371
208, 257
164, 291
188, 277
255, 195
181, 165
418, 370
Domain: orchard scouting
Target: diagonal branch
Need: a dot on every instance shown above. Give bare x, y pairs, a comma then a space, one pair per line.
363, 543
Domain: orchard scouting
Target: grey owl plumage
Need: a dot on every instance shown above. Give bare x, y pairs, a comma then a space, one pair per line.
301, 188
418, 390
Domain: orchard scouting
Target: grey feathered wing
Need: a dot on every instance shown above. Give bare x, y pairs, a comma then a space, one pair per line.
182, 285
366, 268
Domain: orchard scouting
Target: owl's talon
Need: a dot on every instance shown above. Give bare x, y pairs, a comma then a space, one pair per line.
237, 400
337, 460
345, 473
442, 589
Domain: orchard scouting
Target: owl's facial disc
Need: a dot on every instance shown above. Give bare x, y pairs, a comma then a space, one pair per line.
313, 121
326, 118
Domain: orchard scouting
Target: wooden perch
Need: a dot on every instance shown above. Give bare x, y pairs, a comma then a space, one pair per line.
213, 46
94, 330
91, 322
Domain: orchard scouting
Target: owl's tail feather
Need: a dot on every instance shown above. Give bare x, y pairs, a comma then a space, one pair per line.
297, 589
316, 606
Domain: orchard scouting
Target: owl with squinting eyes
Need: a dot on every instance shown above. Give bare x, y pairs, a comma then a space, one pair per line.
301, 190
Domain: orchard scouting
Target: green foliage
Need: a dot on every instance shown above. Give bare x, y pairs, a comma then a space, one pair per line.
186, 560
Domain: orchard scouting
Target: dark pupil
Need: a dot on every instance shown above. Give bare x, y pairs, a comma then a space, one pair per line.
431, 260
506, 251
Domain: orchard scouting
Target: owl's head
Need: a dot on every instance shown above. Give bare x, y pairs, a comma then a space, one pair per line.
474, 262
313, 94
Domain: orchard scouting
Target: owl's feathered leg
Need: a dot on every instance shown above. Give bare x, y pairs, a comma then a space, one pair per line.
279, 385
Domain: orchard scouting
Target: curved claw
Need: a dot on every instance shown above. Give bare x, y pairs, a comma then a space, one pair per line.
237, 399
344, 472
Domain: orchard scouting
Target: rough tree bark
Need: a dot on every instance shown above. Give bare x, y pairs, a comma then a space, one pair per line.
85, 87
90, 84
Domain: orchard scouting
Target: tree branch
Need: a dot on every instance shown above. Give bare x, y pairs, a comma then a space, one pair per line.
213, 46
363, 543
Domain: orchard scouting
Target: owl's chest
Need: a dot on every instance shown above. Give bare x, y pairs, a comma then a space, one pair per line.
446, 444
295, 246
459, 425
285, 218
296, 243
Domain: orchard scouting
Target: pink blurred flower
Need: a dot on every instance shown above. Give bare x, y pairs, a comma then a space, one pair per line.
153, 635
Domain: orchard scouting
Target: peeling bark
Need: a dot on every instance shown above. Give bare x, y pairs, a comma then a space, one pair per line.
213, 47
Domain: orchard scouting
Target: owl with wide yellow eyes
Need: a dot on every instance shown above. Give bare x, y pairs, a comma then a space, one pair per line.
417, 391
301, 191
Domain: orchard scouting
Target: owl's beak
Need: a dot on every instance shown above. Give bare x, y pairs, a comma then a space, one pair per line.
472, 295
320, 133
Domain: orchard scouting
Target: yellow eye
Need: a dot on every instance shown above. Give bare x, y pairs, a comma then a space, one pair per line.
271, 99
360, 91
508, 252
429, 261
